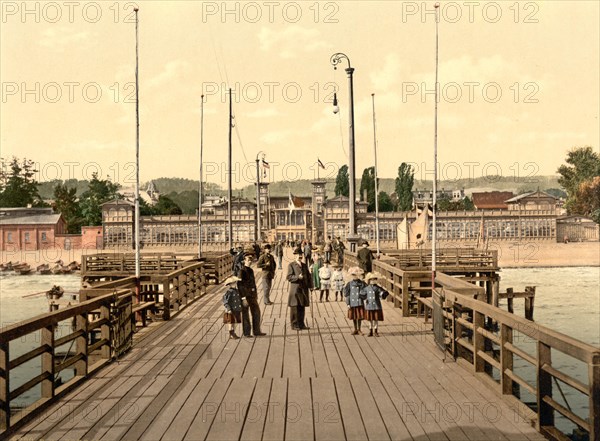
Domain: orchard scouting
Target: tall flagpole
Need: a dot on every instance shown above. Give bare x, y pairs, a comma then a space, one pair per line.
435, 139
376, 183
201, 177
229, 192
137, 158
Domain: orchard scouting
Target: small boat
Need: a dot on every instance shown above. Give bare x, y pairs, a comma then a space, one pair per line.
24, 270
74, 266
55, 293
56, 269
17, 266
43, 269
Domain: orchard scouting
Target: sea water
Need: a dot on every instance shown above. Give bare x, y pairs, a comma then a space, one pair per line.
567, 300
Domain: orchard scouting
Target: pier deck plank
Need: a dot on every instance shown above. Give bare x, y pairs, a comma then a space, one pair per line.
185, 379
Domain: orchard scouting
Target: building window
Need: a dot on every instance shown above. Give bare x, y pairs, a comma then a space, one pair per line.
9, 237
44, 237
26, 237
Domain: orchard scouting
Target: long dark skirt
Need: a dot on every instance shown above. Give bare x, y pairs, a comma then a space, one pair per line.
232, 317
356, 313
374, 315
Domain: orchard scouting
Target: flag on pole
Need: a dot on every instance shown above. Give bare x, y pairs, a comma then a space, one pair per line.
320, 164
291, 205
265, 164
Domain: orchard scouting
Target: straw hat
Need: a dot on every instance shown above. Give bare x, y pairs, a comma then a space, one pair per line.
373, 275
355, 271
231, 279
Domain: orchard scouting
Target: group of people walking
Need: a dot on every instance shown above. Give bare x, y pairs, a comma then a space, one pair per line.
363, 297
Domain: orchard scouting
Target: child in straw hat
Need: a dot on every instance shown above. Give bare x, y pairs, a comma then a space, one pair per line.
233, 305
353, 291
337, 281
373, 309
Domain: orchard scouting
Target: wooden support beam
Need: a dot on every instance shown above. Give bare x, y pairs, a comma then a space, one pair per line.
544, 386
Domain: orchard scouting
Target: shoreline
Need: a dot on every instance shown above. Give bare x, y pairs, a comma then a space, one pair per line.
510, 254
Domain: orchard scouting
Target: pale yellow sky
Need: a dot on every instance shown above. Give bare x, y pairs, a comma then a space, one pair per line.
519, 83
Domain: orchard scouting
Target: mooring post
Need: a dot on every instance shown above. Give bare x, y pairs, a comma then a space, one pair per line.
509, 298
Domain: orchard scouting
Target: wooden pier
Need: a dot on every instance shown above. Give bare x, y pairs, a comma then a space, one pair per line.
184, 379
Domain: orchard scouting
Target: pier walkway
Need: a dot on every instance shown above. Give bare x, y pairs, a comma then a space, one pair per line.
184, 379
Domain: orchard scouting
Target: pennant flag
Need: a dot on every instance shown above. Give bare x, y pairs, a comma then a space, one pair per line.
265, 164
320, 164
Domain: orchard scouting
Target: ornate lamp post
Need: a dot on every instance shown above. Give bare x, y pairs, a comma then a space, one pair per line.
335, 60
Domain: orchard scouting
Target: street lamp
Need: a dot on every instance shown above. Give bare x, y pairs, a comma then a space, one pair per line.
335, 60
258, 234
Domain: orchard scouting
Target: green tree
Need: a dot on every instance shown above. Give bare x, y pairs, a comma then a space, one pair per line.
587, 198
18, 186
98, 192
404, 186
444, 203
66, 203
367, 183
342, 182
385, 202
165, 206
583, 164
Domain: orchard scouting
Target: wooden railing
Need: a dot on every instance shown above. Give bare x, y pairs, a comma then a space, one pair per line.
119, 264
471, 258
86, 346
486, 337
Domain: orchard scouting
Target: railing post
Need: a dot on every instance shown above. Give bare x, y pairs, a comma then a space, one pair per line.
544, 386
166, 298
106, 351
405, 308
478, 341
594, 385
81, 367
4, 387
510, 300
506, 359
47, 339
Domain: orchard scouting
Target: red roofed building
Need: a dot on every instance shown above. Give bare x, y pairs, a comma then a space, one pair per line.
492, 200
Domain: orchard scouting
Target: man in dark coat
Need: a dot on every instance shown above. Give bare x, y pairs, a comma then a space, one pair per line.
247, 289
365, 258
299, 294
267, 264
238, 259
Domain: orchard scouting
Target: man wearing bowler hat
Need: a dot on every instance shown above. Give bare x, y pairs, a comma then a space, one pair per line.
365, 258
299, 294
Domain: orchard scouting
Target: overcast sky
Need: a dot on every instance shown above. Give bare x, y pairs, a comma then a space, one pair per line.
519, 86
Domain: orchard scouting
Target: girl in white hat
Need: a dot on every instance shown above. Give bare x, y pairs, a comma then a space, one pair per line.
373, 309
353, 291
233, 305
337, 281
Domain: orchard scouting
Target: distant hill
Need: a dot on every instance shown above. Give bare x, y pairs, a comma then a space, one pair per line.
182, 190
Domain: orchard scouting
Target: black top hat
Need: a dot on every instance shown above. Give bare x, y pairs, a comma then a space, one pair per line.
267, 247
298, 251
365, 243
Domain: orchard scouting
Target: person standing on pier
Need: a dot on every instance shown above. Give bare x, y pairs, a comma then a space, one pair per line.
233, 305
355, 297
299, 295
339, 248
266, 263
278, 251
337, 282
327, 249
238, 259
247, 287
373, 309
365, 258
325, 280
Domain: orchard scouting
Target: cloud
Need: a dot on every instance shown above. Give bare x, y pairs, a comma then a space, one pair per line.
388, 76
172, 70
290, 41
264, 113
62, 37
276, 137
